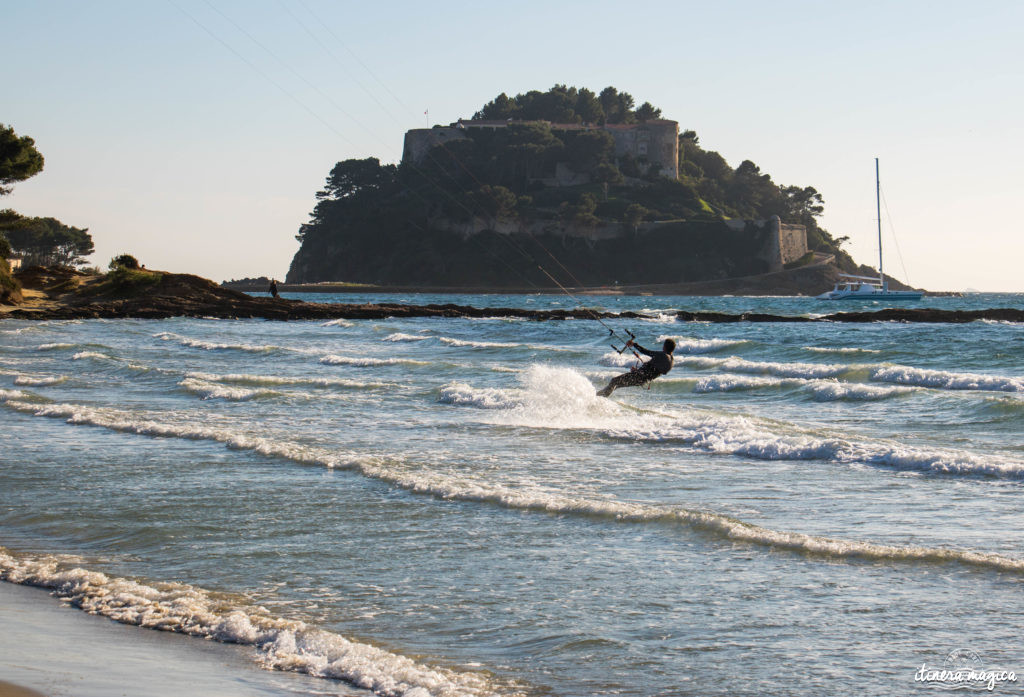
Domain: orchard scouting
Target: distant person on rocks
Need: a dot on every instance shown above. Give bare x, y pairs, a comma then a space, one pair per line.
273, 288
660, 363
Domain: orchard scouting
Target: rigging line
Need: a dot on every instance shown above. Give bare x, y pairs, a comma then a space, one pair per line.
263, 74
337, 59
892, 229
351, 53
301, 77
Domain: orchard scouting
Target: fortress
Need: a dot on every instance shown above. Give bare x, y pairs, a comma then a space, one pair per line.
653, 145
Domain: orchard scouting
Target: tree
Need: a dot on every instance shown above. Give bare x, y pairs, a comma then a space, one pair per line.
647, 112
349, 177
588, 107
19, 158
607, 173
500, 108
634, 215
585, 150
496, 201
47, 241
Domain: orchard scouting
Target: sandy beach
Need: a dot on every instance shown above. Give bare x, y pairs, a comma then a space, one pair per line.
59, 651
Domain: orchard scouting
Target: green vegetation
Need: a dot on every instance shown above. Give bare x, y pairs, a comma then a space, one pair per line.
371, 219
48, 242
123, 281
562, 104
19, 158
126, 261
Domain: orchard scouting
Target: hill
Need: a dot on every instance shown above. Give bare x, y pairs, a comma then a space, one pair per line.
565, 185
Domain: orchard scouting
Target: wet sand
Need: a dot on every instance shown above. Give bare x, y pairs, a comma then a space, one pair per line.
59, 651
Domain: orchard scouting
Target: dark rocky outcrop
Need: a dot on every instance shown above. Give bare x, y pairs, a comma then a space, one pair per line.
69, 294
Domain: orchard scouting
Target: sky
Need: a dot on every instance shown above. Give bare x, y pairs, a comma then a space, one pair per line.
194, 134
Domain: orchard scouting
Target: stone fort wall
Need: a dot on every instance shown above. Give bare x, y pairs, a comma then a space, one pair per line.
654, 145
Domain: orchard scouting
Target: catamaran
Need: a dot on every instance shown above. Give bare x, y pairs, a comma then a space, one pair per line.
850, 287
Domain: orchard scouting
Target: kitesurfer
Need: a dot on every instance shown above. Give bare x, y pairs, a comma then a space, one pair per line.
660, 363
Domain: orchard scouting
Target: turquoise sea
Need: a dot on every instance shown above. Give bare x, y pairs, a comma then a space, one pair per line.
444, 507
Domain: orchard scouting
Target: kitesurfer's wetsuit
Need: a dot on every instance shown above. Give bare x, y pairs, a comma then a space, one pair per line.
660, 363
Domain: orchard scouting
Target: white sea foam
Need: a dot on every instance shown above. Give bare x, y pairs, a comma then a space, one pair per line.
840, 349
902, 375
216, 346
689, 345
337, 323
483, 344
399, 336
260, 380
786, 370
618, 360
212, 390
397, 473
947, 380
29, 381
367, 362
461, 394
13, 394
55, 346
283, 644
82, 355
832, 390
730, 383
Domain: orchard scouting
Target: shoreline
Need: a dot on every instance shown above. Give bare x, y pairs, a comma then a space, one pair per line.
55, 650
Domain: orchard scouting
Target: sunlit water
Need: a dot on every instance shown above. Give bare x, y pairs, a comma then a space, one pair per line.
437, 506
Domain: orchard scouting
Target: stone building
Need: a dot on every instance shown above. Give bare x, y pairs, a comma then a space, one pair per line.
652, 145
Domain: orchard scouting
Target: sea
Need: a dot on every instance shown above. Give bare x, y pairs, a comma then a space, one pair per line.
444, 507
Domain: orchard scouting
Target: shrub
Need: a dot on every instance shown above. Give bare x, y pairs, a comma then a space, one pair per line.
124, 261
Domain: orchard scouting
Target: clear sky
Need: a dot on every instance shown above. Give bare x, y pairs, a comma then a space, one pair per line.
194, 134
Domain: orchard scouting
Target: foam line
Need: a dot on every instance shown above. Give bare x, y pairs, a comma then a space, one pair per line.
29, 381
283, 644
897, 374
367, 362
689, 345
261, 380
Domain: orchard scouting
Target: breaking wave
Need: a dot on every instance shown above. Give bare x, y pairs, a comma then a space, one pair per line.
841, 349
690, 346
337, 323
833, 390
366, 362
561, 399
216, 346
211, 390
946, 380
29, 381
261, 380
283, 644
399, 336
82, 355
461, 394
897, 374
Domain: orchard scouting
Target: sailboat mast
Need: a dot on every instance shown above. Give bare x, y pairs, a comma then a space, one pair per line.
878, 210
